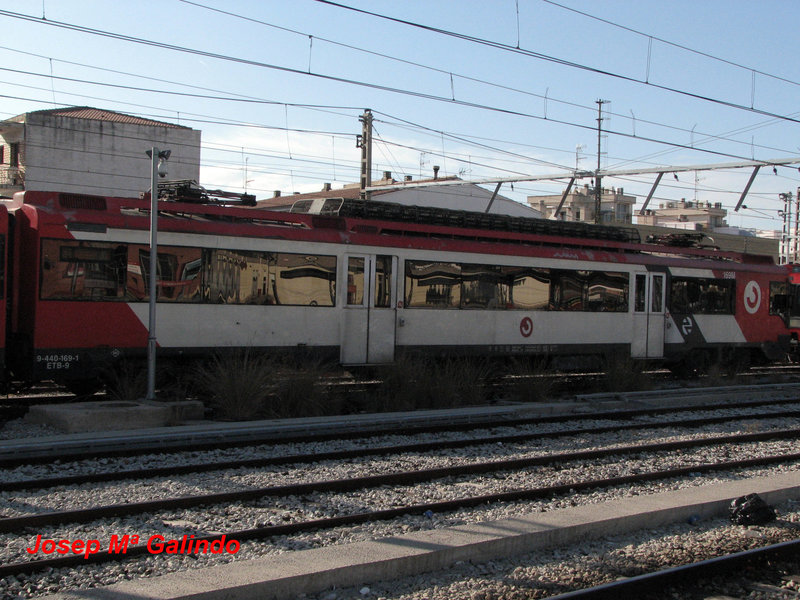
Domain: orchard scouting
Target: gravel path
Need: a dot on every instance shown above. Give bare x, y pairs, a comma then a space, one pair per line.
559, 570
278, 511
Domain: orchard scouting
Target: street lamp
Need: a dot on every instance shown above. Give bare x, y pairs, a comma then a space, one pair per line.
158, 160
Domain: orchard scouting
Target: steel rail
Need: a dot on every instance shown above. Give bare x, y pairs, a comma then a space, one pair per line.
418, 509
151, 473
656, 582
86, 515
174, 442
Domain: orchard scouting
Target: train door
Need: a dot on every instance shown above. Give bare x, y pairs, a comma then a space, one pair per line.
648, 315
369, 322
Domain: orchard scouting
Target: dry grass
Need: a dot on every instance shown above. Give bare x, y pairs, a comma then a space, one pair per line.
421, 382
624, 374
245, 385
530, 380
238, 385
127, 382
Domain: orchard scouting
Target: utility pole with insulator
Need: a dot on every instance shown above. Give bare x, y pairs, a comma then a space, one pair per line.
598, 190
364, 141
786, 237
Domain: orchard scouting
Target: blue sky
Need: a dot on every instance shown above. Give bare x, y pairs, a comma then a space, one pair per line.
285, 112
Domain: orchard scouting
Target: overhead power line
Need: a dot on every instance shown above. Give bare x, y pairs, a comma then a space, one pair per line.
452, 74
674, 44
556, 60
391, 89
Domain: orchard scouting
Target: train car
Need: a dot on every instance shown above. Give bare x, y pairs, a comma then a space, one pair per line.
792, 308
4, 243
366, 281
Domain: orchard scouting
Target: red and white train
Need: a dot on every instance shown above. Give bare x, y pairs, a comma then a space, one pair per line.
364, 282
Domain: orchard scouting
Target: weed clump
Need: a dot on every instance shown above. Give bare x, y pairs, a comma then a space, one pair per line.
624, 374
530, 380
237, 386
245, 385
423, 383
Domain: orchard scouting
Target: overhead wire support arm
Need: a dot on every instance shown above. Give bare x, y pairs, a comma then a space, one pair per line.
587, 174
563, 198
494, 195
650, 194
747, 188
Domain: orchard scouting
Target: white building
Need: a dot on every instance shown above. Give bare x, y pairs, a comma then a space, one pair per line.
696, 216
465, 196
90, 151
580, 205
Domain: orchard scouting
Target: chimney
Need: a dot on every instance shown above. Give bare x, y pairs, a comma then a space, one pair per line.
276, 194
326, 187
436, 171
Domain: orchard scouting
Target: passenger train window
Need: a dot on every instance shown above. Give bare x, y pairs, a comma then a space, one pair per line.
567, 291
383, 281
640, 302
433, 284
303, 280
779, 300
702, 296
252, 277
82, 270
592, 291
483, 286
107, 271
608, 291
453, 285
355, 281
178, 273
657, 304
528, 287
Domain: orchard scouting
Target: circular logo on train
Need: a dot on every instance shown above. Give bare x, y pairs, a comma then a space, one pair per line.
526, 327
752, 297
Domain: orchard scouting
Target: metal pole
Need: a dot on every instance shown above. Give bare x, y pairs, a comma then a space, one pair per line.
366, 153
796, 236
598, 190
151, 329
784, 247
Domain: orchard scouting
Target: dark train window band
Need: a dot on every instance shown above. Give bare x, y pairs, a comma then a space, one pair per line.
461, 285
103, 271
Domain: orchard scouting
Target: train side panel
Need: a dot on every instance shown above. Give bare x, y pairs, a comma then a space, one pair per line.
347, 290
4, 278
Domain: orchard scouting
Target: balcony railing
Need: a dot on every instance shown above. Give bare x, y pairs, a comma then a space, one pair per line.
12, 177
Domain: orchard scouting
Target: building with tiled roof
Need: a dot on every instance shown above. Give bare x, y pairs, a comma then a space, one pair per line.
91, 151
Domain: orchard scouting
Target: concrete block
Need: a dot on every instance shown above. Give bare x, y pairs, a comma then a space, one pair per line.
112, 415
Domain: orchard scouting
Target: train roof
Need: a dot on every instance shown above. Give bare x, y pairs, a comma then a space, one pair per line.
339, 218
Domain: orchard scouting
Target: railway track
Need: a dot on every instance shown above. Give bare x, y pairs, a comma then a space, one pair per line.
198, 467
223, 435
50, 522
8, 524
749, 570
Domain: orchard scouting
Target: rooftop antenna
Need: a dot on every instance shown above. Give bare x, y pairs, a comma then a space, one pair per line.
246, 180
578, 149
